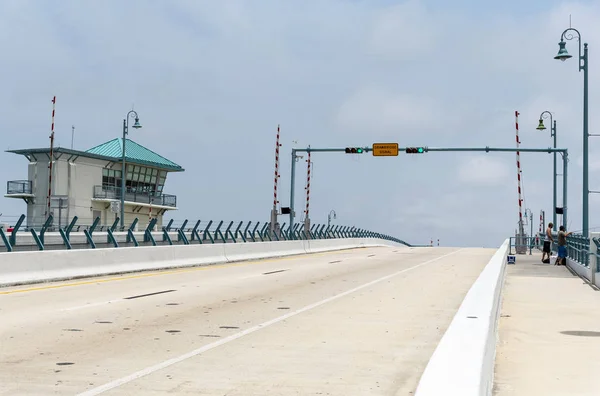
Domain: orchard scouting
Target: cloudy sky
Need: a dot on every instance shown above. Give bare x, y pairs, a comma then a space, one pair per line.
211, 80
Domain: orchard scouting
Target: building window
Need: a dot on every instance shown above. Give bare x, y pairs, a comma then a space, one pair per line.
143, 180
111, 178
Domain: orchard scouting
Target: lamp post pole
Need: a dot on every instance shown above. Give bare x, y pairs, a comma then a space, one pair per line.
583, 65
136, 125
329, 217
541, 127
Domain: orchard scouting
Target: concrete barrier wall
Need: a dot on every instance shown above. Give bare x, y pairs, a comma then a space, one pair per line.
463, 362
35, 266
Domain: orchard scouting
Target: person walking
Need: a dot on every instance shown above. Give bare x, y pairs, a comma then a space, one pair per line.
547, 244
562, 246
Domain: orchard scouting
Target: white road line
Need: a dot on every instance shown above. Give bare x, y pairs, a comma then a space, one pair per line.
208, 347
91, 305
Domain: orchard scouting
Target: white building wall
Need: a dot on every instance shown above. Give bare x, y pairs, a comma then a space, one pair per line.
85, 173
76, 181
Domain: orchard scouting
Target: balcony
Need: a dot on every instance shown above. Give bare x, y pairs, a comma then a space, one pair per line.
114, 193
19, 188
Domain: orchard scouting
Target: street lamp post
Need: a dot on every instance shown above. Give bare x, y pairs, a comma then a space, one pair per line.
136, 125
541, 127
329, 217
563, 55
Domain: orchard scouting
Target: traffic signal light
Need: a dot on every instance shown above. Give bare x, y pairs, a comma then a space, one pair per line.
354, 150
415, 150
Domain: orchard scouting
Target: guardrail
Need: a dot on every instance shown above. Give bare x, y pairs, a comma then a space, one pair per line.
578, 247
48, 236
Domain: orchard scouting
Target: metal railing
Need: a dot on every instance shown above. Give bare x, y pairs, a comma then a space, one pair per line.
15, 187
187, 233
578, 247
112, 192
524, 243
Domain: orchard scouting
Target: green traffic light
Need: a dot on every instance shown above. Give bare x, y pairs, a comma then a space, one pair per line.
420, 149
359, 150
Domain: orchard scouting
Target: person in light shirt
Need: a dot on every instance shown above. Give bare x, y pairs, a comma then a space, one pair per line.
547, 244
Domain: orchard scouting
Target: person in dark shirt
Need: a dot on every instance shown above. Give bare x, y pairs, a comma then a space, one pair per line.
561, 259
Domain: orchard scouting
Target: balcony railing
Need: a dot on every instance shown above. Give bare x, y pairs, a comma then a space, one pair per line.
111, 192
18, 187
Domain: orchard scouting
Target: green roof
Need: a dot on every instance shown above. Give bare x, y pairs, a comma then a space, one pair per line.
134, 152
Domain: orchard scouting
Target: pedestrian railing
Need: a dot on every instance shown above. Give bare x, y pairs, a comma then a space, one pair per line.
74, 235
578, 246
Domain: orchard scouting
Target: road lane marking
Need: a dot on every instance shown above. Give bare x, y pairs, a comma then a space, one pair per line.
149, 370
169, 272
92, 305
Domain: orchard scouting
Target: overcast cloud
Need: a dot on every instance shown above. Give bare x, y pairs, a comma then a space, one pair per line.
212, 79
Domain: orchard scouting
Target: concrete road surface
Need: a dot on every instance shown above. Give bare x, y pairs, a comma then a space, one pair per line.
354, 322
549, 332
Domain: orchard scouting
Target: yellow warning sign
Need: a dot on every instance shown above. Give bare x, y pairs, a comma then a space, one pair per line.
385, 149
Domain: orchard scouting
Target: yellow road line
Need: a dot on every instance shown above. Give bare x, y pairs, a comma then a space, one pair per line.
167, 272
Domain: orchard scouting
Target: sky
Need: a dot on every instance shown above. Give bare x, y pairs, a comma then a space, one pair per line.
211, 80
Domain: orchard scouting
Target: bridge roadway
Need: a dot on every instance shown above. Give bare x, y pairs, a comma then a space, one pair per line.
353, 322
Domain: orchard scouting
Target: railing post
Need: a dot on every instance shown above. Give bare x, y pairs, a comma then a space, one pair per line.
282, 232
207, 232
246, 232
313, 227
89, 233
224, 237
268, 234
130, 235
262, 232
37, 240
47, 224
13, 234
166, 236
179, 234
66, 233
181, 237
336, 232
593, 255
195, 232
5, 240
252, 236
148, 237
110, 230
234, 234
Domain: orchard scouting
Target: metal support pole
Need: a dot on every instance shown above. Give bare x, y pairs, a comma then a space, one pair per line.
582, 65
530, 230
554, 192
586, 190
565, 180
292, 189
123, 174
136, 125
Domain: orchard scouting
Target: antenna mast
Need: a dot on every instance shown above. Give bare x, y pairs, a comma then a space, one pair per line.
51, 158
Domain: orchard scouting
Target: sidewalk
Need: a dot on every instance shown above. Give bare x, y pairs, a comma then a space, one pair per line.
549, 332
